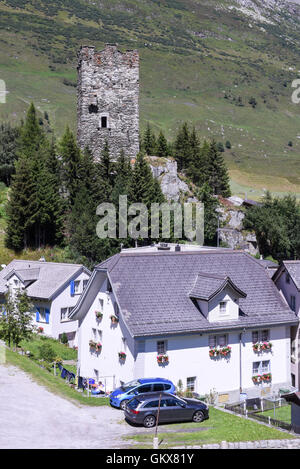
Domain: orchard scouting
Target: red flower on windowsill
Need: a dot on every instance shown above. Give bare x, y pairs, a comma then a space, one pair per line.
220, 351
262, 346
162, 358
122, 355
40, 330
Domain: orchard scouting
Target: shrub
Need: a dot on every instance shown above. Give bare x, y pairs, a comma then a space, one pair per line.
46, 352
64, 338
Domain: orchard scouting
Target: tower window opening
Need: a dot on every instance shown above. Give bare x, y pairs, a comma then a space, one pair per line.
104, 122
93, 109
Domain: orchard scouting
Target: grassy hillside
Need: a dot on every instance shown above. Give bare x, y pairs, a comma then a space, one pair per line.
200, 62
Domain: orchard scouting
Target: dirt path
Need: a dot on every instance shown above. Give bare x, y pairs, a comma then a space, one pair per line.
32, 417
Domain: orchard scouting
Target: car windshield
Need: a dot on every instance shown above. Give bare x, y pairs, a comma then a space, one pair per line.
131, 384
183, 401
133, 403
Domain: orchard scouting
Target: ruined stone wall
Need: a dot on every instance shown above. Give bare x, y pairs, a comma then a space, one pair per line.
108, 100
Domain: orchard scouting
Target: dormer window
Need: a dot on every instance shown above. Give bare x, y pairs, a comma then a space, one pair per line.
223, 308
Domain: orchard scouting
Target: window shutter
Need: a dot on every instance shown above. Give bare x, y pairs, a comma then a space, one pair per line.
37, 315
47, 315
72, 287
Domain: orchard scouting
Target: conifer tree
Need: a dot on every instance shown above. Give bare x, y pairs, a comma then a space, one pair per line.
106, 173
218, 177
34, 208
182, 147
70, 162
162, 145
149, 141
211, 204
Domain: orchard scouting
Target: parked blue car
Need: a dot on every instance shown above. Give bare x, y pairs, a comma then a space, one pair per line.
120, 396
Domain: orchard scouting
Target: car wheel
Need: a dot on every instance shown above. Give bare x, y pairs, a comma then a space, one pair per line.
149, 421
198, 416
123, 404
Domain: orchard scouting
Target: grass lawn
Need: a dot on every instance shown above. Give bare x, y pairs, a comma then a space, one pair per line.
281, 413
61, 350
54, 384
221, 426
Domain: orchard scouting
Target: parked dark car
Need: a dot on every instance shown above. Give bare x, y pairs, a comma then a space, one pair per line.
143, 409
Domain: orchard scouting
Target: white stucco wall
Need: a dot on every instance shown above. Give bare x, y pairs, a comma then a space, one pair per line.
232, 309
189, 357
287, 290
63, 299
110, 369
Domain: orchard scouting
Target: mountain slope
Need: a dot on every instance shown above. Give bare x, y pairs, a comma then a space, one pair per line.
201, 62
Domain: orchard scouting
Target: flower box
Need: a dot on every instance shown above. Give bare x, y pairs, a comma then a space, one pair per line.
220, 351
114, 319
98, 314
266, 377
40, 330
256, 379
262, 346
162, 358
98, 347
122, 355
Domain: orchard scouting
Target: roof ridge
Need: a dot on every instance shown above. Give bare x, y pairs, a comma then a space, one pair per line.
46, 262
180, 253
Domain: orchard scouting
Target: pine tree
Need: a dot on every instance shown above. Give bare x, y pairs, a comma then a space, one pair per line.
162, 145
70, 162
123, 179
218, 177
34, 206
106, 173
149, 141
182, 147
205, 195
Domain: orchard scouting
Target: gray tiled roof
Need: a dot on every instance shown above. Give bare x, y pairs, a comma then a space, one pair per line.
293, 268
47, 277
153, 290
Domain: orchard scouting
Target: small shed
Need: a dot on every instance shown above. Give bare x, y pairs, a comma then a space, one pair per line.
294, 399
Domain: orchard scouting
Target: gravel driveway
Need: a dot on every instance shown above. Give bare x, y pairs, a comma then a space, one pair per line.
32, 417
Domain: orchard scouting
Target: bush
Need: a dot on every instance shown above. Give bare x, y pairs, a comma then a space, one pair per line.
64, 338
46, 352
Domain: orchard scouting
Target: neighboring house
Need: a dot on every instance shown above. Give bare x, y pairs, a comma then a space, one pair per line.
54, 289
199, 317
287, 280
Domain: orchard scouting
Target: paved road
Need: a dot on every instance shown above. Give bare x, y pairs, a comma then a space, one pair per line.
32, 417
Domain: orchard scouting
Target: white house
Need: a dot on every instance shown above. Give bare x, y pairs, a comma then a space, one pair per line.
287, 280
210, 318
54, 289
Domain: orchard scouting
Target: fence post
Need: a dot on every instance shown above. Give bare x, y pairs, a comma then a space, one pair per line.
262, 404
269, 418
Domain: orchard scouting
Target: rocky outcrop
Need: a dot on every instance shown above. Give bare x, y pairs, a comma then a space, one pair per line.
231, 211
232, 233
165, 170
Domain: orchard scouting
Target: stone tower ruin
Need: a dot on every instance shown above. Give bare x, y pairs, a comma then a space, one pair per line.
108, 100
